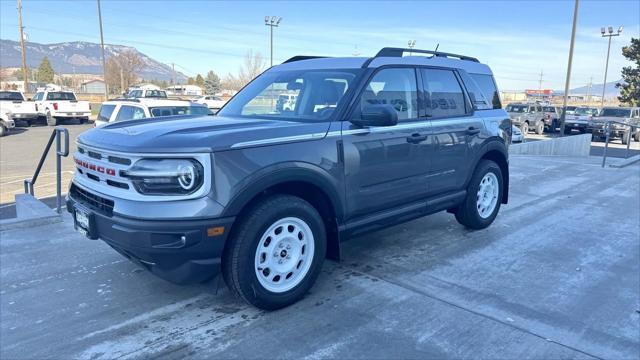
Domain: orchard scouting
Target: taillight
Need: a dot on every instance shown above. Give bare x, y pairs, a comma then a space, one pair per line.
55, 106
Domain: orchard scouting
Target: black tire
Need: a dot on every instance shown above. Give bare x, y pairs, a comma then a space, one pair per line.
525, 129
3, 130
467, 213
636, 136
238, 260
626, 137
567, 130
83, 120
51, 120
540, 128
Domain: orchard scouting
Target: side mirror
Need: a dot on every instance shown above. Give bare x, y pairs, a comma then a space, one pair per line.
377, 115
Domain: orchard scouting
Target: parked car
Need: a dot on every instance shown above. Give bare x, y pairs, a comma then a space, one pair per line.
286, 102
142, 93
579, 120
621, 118
516, 135
263, 195
135, 109
56, 106
214, 103
527, 116
13, 108
552, 116
571, 109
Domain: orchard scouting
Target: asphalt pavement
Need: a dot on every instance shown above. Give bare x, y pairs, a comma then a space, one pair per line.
556, 276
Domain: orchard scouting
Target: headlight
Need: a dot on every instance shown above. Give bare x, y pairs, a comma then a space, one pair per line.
165, 176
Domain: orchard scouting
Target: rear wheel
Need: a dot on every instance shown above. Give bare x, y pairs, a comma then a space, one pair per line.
3, 130
567, 130
51, 120
276, 252
484, 195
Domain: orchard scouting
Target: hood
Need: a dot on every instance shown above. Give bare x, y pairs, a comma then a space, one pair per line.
516, 115
198, 134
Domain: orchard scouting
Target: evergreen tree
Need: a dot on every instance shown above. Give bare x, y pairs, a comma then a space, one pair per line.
45, 71
630, 88
199, 81
212, 83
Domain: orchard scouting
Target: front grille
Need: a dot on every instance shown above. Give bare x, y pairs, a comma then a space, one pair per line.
94, 201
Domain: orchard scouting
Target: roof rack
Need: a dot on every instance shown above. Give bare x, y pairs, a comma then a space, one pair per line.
303, 57
398, 52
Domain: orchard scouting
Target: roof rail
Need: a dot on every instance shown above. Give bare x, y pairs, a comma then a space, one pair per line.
398, 52
303, 57
124, 99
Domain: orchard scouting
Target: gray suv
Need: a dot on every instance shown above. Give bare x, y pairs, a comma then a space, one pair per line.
527, 116
263, 193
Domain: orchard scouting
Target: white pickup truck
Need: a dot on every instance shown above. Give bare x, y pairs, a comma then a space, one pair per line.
13, 107
59, 105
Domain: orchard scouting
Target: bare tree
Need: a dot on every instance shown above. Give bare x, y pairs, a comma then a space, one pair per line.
253, 66
122, 70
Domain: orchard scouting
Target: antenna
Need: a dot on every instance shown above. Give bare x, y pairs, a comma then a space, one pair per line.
437, 46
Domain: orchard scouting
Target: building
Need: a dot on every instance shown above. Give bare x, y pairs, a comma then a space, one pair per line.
19, 86
93, 87
184, 90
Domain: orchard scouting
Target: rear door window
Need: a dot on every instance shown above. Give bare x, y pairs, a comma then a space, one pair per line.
128, 112
445, 97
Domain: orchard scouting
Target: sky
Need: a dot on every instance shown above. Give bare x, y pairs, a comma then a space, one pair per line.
518, 39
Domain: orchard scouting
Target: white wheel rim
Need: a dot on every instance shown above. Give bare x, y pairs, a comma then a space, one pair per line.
284, 254
487, 198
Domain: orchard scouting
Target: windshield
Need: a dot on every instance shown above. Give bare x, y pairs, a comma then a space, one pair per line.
616, 112
11, 95
549, 109
156, 94
586, 111
61, 95
178, 110
518, 108
308, 95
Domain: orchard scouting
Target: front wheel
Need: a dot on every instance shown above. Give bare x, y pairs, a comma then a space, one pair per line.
275, 253
484, 195
3, 131
540, 128
525, 129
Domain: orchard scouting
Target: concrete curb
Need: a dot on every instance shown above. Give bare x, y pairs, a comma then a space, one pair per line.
625, 162
30, 212
575, 145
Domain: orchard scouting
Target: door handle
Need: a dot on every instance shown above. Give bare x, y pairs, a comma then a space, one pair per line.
473, 130
416, 138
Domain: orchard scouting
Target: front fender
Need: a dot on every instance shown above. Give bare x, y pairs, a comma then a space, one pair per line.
280, 173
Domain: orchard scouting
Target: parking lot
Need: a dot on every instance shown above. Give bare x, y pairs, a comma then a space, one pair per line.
556, 276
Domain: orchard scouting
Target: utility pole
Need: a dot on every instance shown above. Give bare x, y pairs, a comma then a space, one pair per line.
25, 75
271, 23
173, 74
540, 85
606, 66
589, 91
104, 62
568, 80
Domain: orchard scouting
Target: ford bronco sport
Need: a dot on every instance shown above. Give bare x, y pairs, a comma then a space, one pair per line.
263, 193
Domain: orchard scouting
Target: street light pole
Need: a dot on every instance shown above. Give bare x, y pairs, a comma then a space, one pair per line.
606, 66
568, 79
25, 73
272, 22
411, 44
104, 62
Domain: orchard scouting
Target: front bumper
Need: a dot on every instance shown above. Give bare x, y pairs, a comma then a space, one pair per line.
180, 251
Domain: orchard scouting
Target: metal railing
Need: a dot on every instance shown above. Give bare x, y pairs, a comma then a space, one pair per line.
628, 134
56, 134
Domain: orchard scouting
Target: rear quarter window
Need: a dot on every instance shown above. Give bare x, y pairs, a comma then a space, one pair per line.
488, 87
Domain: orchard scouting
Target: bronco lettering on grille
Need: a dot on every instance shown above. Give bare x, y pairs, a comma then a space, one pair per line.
94, 167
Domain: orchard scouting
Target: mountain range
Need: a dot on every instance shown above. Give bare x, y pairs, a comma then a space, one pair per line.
610, 89
79, 57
